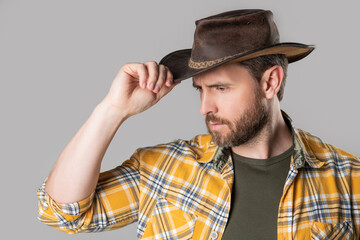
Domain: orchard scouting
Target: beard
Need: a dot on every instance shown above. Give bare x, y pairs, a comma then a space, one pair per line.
242, 129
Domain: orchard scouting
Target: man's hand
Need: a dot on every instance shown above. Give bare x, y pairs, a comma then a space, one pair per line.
138, 86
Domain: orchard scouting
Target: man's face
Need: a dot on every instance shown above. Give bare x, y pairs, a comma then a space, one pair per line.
232, 103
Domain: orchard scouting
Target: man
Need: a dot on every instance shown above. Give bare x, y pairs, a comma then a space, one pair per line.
253, 177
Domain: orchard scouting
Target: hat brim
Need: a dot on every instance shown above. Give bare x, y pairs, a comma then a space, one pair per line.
178, 61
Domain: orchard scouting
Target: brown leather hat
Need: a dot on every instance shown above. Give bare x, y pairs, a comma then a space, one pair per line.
232, 36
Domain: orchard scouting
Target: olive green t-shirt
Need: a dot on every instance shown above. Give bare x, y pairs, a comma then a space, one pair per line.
258, 187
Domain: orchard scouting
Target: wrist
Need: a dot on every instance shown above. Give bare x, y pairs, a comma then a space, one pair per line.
111, 112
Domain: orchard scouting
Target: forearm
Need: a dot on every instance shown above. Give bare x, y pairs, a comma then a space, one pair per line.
135, 88
75, 174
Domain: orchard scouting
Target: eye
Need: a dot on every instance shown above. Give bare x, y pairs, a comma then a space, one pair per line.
222, 89
198, 89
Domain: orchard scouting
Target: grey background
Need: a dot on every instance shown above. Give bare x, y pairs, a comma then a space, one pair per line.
58, 59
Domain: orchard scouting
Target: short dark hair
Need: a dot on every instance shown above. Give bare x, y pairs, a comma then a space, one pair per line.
257, 66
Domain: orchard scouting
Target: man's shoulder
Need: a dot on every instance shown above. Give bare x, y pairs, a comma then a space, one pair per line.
180, 147
201, 141
316, 148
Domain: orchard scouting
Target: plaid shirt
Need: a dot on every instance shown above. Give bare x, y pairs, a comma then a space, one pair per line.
182, 190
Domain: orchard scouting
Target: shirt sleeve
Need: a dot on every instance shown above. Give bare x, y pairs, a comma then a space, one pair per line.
113, 204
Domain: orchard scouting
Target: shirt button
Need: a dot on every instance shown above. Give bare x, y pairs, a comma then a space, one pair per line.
214, 235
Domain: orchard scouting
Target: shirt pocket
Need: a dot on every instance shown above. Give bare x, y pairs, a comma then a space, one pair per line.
169, 222
339, 231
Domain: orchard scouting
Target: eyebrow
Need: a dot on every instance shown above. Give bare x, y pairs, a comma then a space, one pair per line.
214, 85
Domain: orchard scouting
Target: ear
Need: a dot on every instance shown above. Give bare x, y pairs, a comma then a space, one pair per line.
271, 81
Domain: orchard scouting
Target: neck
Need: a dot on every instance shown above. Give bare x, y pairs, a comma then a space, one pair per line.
274, 139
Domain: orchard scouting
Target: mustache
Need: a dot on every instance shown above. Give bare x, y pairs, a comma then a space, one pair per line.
212, 118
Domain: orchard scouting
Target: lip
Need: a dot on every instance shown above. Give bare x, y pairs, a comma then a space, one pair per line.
215, 126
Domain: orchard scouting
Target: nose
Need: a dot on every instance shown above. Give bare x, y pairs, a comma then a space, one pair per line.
207, 104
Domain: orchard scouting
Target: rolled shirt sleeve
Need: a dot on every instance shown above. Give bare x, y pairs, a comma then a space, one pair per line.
113, 204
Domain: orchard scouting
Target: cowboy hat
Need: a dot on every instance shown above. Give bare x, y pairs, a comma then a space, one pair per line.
232, 36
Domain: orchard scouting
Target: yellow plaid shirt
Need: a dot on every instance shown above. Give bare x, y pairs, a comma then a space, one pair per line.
182, 190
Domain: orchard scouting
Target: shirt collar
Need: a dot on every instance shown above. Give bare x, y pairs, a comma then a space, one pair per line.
302, 149
218, 155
